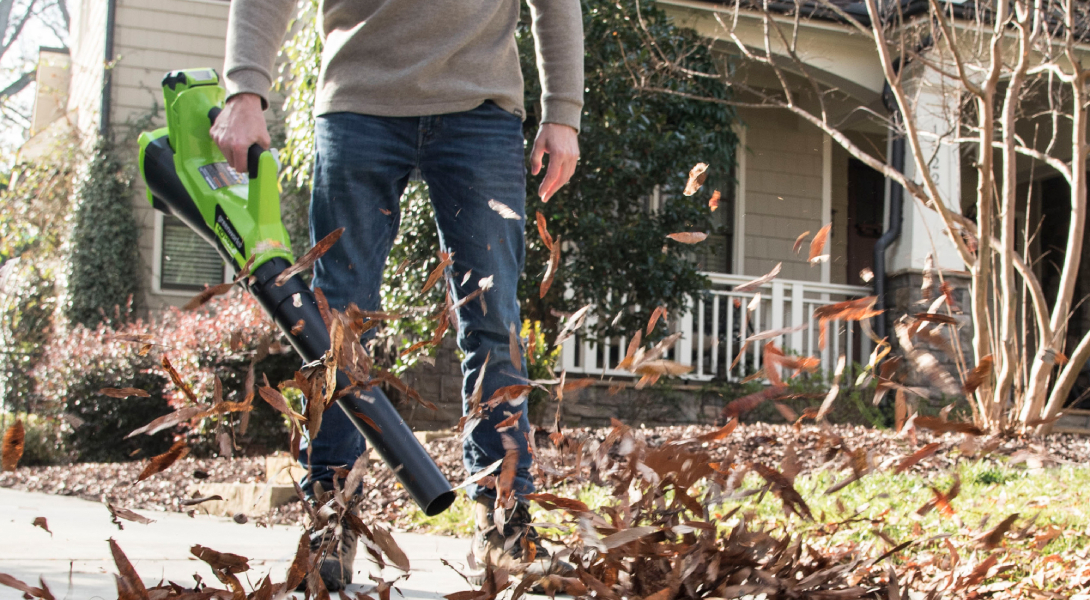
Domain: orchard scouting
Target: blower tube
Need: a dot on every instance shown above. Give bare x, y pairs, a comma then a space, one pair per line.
293, 302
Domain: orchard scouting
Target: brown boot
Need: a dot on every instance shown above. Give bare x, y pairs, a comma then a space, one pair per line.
507, 549
335, 542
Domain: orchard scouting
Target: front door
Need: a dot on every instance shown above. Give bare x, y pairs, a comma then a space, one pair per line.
866, 216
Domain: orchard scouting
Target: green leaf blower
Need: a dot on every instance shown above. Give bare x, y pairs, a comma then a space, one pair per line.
188, 177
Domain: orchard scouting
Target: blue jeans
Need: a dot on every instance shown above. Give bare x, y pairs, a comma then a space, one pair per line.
362, 166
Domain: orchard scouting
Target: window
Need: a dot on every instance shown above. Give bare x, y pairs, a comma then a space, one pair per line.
186, 261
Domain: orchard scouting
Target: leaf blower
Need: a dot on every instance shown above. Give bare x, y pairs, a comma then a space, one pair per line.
239, 214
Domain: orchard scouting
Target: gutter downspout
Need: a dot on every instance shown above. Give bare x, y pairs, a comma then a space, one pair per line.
896, 218
107, 78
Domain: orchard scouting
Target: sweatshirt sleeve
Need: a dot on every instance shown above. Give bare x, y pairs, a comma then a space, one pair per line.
558, 36
255, 30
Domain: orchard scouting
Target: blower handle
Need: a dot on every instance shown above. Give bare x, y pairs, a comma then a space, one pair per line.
253, 155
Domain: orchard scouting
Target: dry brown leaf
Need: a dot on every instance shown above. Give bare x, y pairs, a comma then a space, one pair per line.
117, 512
509, 422
916, 457
756, 283
697, 175
940, 426
513, 348
688, 237
162, 462
551, 269
306, 262
553, 502
166, 421
849, 310
221, 561
660, 311
503, 210
444, 261
28, 590
134, 587
994, 537
713, 202
277, 400
14, 442
798, 242
630, 354
124, 392
390, 548
41, 522
818, 243
543, 231
792, 500
981, 373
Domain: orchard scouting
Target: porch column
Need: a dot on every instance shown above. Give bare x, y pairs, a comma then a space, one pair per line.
936, 115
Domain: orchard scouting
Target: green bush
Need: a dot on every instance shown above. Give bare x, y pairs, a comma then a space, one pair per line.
103, 247
220, 339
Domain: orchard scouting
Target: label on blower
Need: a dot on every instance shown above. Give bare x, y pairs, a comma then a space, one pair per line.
220, 174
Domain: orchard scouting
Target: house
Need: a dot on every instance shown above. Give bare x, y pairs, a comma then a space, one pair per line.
791, 178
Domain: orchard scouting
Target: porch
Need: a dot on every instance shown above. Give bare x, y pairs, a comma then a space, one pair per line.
716, 325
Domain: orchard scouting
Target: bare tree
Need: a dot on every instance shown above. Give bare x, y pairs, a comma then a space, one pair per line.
996, 70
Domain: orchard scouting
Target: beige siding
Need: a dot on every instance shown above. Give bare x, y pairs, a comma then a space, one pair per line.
783, 192
152, 37
87, 43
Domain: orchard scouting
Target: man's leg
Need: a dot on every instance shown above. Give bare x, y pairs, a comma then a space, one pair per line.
469, 159
361, 167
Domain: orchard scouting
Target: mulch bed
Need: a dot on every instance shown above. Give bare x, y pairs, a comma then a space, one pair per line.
386, 502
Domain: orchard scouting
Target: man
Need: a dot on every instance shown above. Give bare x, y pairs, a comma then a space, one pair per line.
432, 87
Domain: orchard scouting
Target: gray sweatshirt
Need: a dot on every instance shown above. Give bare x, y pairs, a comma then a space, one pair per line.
417, 57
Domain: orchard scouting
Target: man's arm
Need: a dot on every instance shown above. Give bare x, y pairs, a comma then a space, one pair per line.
255, 29
558, 35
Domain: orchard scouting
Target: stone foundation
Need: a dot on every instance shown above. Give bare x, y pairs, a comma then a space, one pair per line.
906, 298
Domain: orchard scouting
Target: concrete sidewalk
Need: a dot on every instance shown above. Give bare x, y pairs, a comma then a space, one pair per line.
76, 563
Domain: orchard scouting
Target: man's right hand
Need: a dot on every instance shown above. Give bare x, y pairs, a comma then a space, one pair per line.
239, 126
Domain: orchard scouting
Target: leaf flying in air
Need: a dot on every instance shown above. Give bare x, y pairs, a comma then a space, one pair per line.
756, 283
798, 241
688, 237
503, 210
818, 243
696, 178
13, 446
713, 202
162, 462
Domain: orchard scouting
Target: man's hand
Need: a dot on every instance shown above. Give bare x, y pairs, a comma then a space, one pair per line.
239, 126
561, 143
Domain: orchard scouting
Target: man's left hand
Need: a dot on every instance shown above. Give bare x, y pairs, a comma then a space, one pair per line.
561, 143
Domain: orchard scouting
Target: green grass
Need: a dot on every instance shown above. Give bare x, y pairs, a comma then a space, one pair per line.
886, 502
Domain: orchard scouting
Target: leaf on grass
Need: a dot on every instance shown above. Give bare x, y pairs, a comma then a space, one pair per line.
12, 451
124, 392
713, 202
781, 486
41, 522
697, 175
688, 237
503, 210
221, 561
306, 262
756, 283
798, 242
162, 462
995, 537
916, 457
817, 245
543, 231
551, 269
981, 373
660, 311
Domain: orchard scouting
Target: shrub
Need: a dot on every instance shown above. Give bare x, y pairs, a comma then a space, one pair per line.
103, 255
220, 339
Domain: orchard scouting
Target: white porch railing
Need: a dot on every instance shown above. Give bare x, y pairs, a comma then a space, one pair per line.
714, 330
